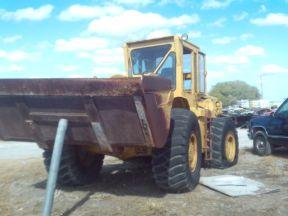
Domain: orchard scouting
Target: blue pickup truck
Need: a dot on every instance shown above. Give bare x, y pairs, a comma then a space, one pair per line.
268, 132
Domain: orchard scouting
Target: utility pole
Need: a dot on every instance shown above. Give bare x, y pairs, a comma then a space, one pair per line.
261, 85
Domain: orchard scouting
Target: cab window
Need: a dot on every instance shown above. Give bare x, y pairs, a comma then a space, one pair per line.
146, 60
168, 69
201, 69
187, 70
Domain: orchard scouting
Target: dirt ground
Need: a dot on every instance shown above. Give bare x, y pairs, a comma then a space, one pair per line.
126, 190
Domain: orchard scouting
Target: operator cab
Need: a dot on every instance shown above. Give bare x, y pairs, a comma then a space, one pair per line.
166, 57
158, 60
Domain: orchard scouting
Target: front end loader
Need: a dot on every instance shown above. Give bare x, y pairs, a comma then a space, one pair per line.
160, 110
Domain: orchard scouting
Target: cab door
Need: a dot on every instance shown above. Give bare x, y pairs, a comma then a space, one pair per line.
201, 79
278, 125
282, 115
187, 70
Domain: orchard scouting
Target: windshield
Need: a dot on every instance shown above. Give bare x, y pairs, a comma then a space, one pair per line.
146, 60
283, 110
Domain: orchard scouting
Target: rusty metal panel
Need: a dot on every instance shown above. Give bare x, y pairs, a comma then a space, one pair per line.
157, 117
71, 87
143, 121
155, 83
30, 110
120, 120
158, 98
101, 136
12, 123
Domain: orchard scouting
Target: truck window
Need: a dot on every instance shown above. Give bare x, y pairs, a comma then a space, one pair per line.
283, 110
168, 69
146, 60
201, 68
187, 70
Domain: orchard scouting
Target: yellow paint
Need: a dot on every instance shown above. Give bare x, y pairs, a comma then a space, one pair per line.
230, 147
205, 107
193, 153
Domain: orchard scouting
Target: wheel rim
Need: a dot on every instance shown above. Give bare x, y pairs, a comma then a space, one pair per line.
193, 153
260, 144
230, 147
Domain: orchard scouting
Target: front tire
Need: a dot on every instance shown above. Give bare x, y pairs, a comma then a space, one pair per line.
176, 167
77, 167
261, 145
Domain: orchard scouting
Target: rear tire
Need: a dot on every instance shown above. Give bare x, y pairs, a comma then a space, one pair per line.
173, 169
261, 145
77, 167
225, 146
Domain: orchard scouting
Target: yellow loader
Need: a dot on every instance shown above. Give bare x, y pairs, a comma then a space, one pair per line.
159, 111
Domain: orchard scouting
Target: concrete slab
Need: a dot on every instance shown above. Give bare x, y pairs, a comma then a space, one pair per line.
235, 186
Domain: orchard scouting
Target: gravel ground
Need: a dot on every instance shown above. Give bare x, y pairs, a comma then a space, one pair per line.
125, 190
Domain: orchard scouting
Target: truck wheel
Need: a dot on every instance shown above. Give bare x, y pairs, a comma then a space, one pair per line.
261, 146
225, 146
176, 167
77, 167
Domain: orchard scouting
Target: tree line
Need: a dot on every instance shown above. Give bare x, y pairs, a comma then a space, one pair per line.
231, 91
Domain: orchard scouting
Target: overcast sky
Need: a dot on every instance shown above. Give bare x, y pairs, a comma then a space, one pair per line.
243, 39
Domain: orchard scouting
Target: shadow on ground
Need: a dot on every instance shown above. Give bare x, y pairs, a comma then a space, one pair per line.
116, 179
120, 180
281, 152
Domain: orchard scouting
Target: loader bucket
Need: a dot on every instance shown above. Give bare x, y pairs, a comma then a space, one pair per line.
101, 112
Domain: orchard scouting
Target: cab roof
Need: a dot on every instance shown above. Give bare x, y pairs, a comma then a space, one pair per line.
161, 40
